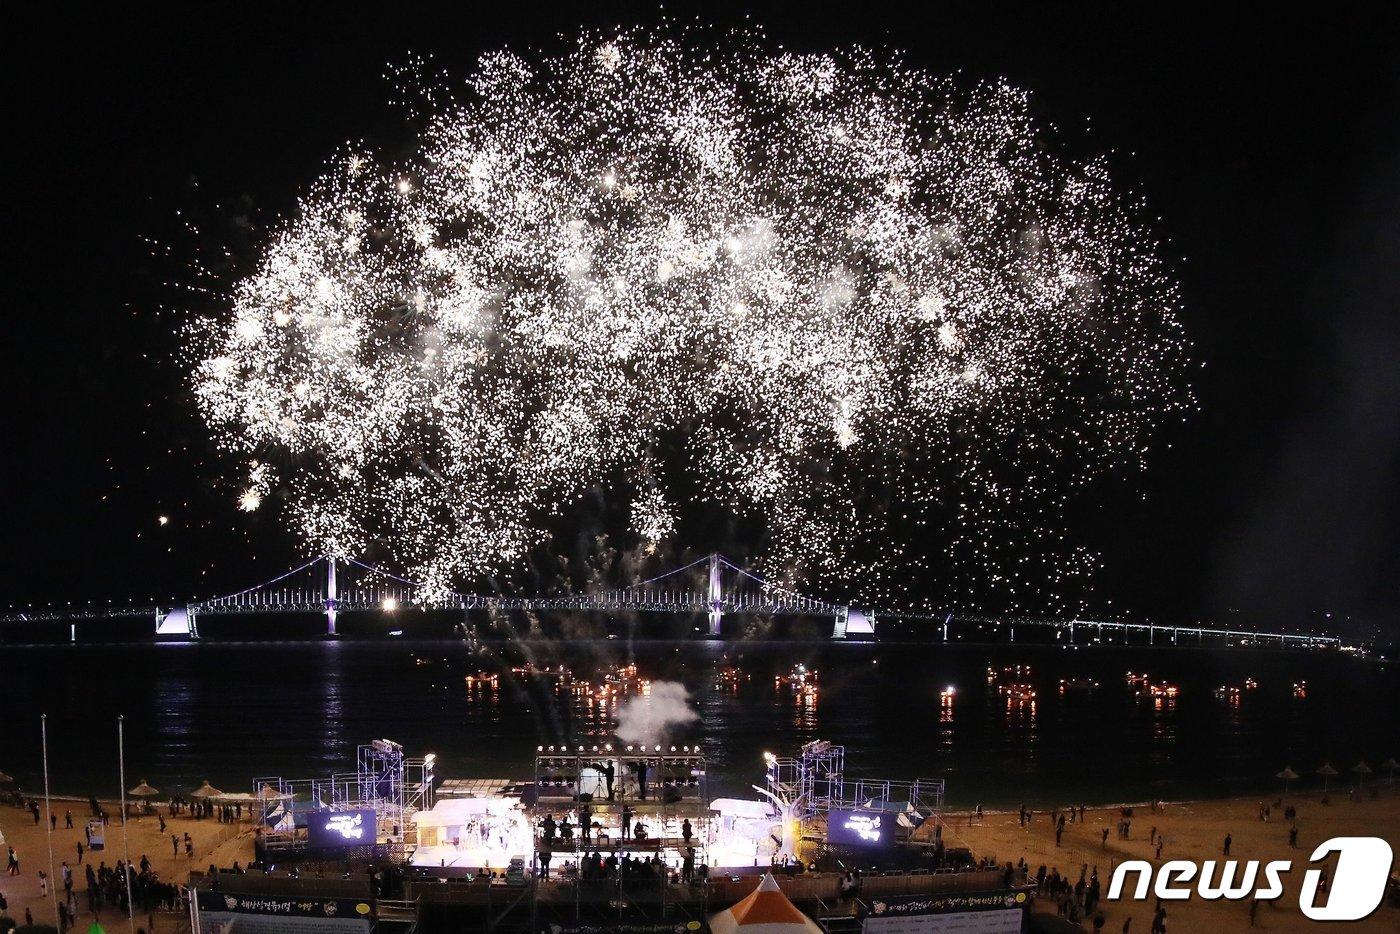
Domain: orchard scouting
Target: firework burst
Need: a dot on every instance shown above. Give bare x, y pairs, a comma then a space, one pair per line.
847, 301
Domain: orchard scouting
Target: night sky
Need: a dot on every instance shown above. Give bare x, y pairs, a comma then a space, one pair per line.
1267, 153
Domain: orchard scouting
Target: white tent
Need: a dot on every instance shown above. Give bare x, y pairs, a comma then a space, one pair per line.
452, 812
742, 836
742, 807
472, 832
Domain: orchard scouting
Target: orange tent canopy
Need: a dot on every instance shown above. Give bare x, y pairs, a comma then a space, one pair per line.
765, 910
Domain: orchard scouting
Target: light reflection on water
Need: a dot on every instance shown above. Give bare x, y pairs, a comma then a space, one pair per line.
230, 712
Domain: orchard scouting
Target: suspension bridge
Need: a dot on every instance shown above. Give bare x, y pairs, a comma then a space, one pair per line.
710, 587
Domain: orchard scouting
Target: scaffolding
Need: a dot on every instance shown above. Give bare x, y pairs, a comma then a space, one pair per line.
815, 782
393, 785
623, 787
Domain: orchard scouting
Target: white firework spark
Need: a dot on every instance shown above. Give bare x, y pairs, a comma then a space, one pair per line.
814, 268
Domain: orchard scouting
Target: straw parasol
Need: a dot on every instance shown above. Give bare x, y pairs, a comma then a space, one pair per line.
1328, 773
268, 793
1362, 770
5, 779
1390, 765
765, 910
205, 791
144, 790
1288, 775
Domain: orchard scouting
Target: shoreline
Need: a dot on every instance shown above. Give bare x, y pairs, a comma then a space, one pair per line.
1189, 829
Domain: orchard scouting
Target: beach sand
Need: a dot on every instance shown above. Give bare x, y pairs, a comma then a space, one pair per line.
1194, 830
214, 842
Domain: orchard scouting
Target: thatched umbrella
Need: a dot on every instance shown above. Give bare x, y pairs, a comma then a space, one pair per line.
5, 779
268, 793
205, 791
1390, 765
144, 790
1288, 775
1362, 770
1328, 773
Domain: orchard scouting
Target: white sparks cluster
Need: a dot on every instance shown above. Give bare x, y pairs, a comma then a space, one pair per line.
801, 279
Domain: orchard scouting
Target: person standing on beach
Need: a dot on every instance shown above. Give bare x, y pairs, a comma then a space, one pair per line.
1228, 839
1104, 842
174, 846
12, 864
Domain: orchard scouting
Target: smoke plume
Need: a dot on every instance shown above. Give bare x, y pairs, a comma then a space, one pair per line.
650, 717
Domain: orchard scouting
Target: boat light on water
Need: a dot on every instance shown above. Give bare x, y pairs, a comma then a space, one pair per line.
1018, 692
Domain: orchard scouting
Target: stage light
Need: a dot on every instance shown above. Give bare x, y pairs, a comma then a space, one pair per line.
390, 604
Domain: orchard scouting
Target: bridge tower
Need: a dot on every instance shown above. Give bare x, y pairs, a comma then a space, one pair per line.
843, 620
330, 595
716, 597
